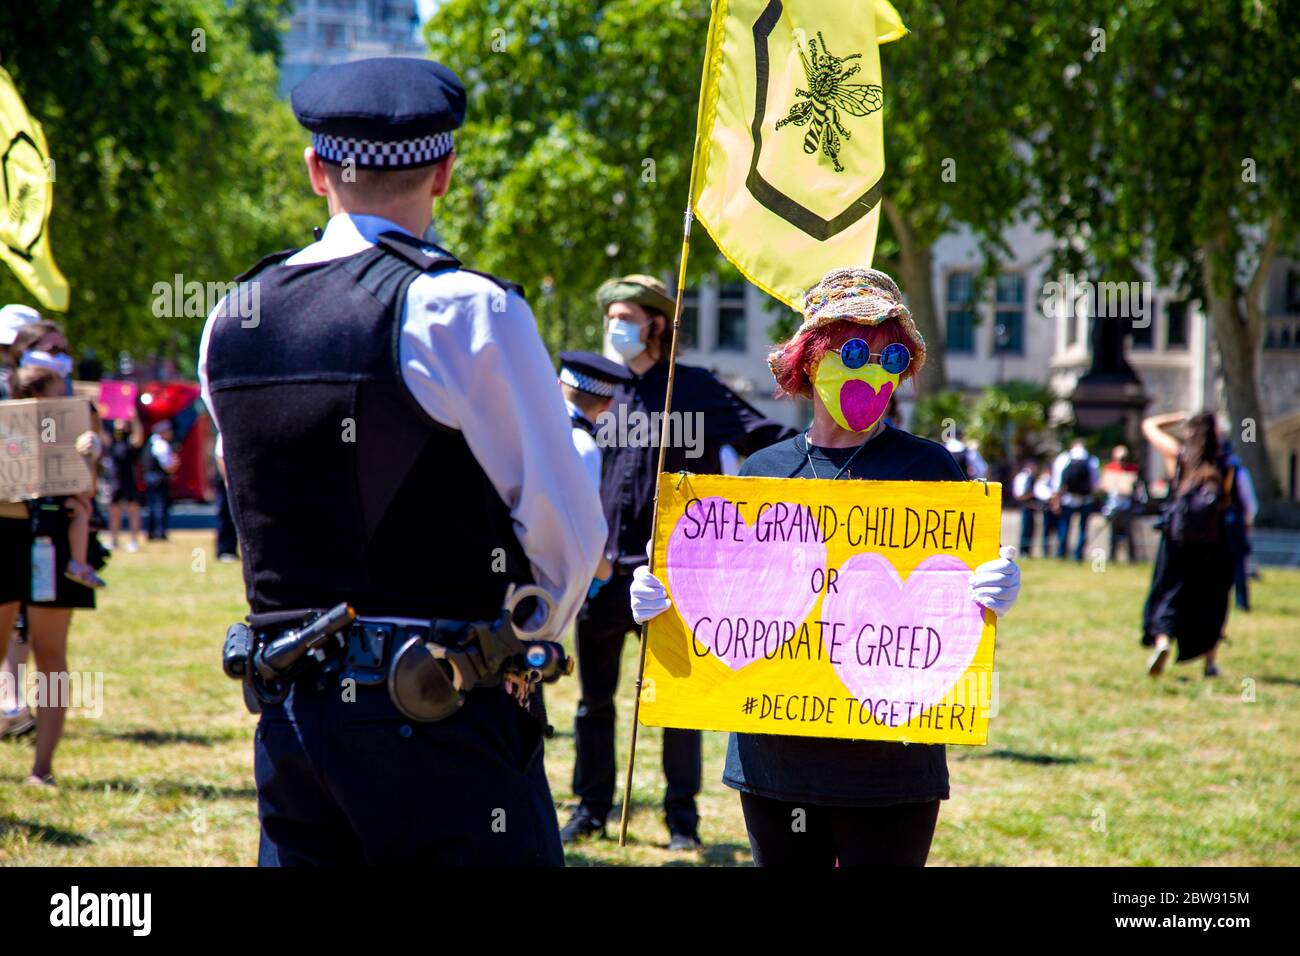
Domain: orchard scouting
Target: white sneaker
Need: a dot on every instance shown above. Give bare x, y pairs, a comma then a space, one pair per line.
1156, 665
132, 547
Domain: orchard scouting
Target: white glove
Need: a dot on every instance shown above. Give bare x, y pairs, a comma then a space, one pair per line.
89, 443
649, 596
996, 584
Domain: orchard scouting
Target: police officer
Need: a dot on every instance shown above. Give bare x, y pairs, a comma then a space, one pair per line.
393, 439
709, 415
588, 381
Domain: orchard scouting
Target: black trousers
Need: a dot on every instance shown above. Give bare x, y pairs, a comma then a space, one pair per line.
350, 782
812, 835
158, 504
227, 538
603, 625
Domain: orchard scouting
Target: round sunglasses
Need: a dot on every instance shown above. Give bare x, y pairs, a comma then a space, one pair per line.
855, 353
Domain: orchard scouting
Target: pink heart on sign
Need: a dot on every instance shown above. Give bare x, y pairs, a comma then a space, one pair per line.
862, 404
900, 664
711, 574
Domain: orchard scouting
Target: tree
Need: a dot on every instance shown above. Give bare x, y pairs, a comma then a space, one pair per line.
574, 160
172, 155
602, 96
954, 114
1167, 136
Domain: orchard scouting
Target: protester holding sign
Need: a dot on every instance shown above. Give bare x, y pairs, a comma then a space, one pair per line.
811, 801
43, 383
35, 550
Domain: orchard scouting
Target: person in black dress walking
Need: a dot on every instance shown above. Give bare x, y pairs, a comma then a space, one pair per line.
1188, 602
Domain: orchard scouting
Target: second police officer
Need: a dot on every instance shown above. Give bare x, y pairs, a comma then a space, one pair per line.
393, 439
708, 416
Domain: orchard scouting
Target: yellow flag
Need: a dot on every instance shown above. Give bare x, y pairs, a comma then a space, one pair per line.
26, 197
789, 152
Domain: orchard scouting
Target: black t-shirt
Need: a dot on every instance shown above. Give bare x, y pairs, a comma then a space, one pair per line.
706, 416
848, 773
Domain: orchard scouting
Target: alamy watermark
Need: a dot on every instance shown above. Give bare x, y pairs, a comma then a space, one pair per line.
75, 690
195, 300
638, 429
1105, 300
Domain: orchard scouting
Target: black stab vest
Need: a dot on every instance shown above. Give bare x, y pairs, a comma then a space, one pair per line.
341, 486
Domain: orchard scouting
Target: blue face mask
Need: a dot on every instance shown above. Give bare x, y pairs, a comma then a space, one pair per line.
60, 364
625, 338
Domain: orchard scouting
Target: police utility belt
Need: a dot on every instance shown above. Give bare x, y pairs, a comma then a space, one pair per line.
428, 668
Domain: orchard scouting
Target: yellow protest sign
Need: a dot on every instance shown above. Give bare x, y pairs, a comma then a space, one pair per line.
823, 608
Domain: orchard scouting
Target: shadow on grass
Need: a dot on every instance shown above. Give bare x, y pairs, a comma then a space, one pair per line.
40, 833
163, 788
161, 738
719, 854
1285, 681
1021, 757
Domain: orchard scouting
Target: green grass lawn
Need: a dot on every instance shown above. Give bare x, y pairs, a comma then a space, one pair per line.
1089, 761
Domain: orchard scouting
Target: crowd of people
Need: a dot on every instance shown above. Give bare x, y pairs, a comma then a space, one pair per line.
51, 550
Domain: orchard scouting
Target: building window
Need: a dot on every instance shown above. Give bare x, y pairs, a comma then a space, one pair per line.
1139, 311
1176, 325
1293, 292
731, 317
688, 333
1009, 314
959, 312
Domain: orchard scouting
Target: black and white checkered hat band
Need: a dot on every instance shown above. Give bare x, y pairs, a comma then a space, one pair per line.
368, 153
585, 383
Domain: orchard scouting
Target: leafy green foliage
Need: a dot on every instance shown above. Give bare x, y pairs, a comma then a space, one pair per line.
169, 158
574, 161
1008, 420
955, 118
1166, 136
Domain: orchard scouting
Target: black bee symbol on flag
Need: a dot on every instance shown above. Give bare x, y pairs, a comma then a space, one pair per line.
827, 93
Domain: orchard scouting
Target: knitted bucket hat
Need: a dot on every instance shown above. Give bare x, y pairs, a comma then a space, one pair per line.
866, 296
644, 290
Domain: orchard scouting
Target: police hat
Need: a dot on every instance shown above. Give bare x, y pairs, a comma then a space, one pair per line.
388, 112
592, 373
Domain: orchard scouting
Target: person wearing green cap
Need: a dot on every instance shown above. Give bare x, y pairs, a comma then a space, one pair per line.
638, 328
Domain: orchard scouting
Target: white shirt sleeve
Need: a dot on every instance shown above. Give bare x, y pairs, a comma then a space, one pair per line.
204, 391
471, 355
589, 452
1058, 466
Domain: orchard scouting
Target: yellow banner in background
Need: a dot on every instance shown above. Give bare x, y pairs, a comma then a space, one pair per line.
26, 198
789, 156
823, 608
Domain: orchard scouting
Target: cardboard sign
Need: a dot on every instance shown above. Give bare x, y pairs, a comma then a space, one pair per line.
117, 400
823, 608
38, 456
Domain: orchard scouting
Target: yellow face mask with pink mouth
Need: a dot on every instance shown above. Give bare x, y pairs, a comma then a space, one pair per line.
857, 398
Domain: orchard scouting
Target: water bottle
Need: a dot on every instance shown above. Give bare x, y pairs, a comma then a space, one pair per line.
43, 570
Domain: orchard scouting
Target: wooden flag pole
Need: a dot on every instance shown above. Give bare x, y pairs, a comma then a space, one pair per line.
654, 522
709, 51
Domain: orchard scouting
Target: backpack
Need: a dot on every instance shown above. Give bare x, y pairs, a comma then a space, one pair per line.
1077, 477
